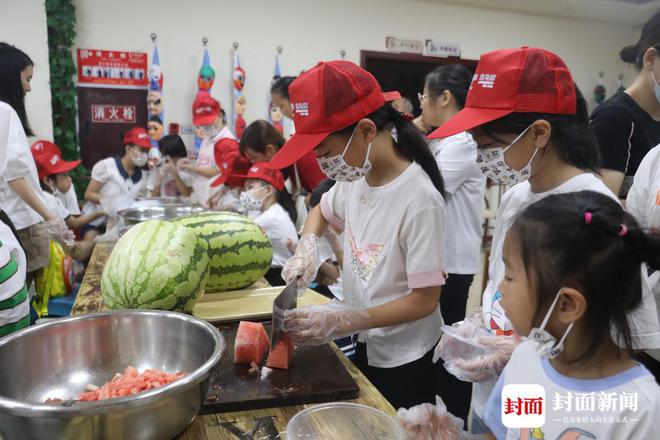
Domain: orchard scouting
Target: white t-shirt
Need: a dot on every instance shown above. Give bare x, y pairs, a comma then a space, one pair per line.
16, 162
69, 200
16, 315
394, 242
116, 182
279, 228
465, 186
55, 205
643, 320
643, 199
623, 406
206, 158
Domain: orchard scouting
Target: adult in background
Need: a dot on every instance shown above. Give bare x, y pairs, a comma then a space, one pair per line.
626, 125
21, 197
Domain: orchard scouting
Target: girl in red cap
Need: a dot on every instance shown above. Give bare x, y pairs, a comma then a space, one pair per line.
264, 193
388, 201
117, 181
530, 124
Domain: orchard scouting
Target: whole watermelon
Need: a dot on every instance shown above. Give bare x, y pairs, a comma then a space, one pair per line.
155, 265
239, 251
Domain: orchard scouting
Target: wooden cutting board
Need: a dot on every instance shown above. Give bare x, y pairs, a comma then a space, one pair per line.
316, 375
248, 304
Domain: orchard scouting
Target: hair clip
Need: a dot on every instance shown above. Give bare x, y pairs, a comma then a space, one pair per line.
587, 217
407, 116
623, 231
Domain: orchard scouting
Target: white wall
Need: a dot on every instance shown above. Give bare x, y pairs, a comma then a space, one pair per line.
23, 24
309, 31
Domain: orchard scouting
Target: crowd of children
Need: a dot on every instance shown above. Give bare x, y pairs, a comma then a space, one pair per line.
384, 214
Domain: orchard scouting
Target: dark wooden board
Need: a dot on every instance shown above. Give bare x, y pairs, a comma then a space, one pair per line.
316, 375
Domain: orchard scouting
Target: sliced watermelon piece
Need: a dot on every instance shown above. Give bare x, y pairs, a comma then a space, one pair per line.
280, 356
251, 343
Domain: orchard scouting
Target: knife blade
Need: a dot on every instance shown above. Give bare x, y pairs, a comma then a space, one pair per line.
286, 300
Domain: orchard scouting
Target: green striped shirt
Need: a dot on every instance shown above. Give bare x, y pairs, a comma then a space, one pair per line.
14, 303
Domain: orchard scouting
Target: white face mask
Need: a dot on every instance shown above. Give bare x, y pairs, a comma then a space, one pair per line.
657, 88
494, 166
548, 347
336, 168
249, 202
209, 131
140, 159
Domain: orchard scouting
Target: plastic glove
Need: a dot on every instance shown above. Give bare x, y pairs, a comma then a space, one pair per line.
469, 328
154, 158
433, 422
187, 165
318, 325
59, 231
304, 264
487, 367
336, 243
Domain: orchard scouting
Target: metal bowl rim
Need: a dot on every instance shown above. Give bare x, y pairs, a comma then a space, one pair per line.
36, 409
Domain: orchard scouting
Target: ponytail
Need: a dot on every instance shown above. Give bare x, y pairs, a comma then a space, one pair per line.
409, 141
286, 201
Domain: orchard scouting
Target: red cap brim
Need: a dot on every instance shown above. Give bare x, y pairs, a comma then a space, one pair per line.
467, 119
233, 180
391, 96
204, 120
295, 148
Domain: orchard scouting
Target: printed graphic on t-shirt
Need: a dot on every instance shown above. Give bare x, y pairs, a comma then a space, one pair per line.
364, 260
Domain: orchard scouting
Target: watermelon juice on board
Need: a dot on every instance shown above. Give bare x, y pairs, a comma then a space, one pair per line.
391, 286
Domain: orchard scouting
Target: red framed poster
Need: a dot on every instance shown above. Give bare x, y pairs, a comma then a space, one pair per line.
112, 68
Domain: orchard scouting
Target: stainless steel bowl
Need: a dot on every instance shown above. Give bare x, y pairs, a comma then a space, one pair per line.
162, 201
134, 216
60, 358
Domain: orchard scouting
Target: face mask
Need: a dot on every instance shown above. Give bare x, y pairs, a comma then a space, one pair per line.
336, 167
209, 131
548, 348
493, 164
140, 160
657, 88
249, 202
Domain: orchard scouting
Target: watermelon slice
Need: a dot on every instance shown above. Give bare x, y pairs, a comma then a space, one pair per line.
280, 356
251, 343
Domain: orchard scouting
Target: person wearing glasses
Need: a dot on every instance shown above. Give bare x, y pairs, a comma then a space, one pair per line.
445, 90
627, 125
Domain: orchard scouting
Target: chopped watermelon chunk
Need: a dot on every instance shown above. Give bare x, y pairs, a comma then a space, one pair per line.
280, 356
251, 343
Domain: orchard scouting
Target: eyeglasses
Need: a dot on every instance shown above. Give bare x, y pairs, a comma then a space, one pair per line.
421, 97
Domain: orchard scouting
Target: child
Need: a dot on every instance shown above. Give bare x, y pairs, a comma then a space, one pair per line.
209, 121
531, 133
117, 181
168, 180
388, 200
15, 310
264, 193
572, 274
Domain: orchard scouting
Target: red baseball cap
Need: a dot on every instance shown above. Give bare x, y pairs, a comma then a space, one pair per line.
325, 99
48, 158
230, 162
525, 80
205, 109
137, 136
261, 171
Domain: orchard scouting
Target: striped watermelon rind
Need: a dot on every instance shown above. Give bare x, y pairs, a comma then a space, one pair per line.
155, 265
239, 251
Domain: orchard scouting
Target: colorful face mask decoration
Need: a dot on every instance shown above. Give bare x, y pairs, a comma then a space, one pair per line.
206, 78
239, 78
155, 77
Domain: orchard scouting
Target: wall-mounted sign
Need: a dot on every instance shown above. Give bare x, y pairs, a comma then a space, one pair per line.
434, 48
113, 114
112, 68
394, 44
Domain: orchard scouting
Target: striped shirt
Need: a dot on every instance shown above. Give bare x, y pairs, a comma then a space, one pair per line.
14, 303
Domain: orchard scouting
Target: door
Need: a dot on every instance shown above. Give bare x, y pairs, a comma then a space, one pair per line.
104, 115
405, 72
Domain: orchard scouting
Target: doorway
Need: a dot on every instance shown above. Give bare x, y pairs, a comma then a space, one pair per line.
406, 72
